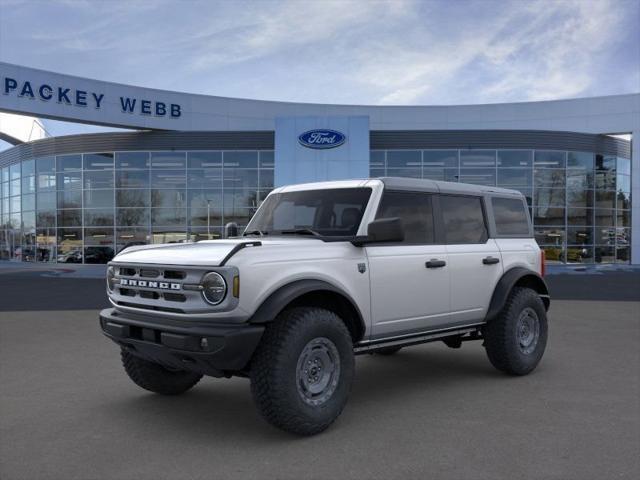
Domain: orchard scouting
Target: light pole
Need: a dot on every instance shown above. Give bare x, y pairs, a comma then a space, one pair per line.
208, 219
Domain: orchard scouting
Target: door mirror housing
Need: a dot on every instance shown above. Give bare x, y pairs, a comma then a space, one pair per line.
382, 230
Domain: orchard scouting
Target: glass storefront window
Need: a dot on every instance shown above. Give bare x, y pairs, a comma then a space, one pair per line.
515, 158
578, 197
132, 217
544, 197
548, 216
168, 179
549, 178
169, 217
623, 183
29, 202
168, 160
267, 159
582, 160
376, 160
45, 165
98, 217
206, 178
580, 236
136, 160
132, 179
240, 159
623, 218
550, 236
478, 176
549, 159
440, 159
66, 199
69, 162
98, 199
623, 166
46, 182
604, 217
239, 178
129, 237
28, 168
405, 172
97, 161
404, 158
98, 179
133, 198
172, 198
514, 177
580, 216
605, 254
205, 160
69, 248
443, 174
46, 201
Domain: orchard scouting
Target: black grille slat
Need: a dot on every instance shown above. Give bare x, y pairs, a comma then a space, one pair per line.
174, 297
174, 274
149, 294
149, 273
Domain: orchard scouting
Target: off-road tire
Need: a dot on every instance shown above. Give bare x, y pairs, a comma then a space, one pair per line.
501, 335
275, 382
388, 351
156, 378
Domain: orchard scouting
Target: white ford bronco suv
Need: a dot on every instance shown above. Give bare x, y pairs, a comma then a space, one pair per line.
326, 271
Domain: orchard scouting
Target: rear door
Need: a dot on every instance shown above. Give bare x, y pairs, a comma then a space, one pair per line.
409, 279
474, 258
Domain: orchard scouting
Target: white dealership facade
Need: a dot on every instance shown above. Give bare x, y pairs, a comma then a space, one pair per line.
196, 162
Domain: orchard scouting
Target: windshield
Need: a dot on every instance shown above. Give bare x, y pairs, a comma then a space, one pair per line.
328, 213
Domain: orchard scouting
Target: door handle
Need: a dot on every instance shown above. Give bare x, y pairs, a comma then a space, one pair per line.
490, 260
435, 263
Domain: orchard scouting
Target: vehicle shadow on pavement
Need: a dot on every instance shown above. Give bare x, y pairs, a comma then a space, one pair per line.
207, 412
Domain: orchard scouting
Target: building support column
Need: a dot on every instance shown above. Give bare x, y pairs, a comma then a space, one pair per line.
635, 197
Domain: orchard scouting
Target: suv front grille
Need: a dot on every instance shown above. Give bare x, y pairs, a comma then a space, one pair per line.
151, 295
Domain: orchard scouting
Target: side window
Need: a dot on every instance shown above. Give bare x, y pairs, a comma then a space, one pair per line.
414, 209
511, 216
463, 219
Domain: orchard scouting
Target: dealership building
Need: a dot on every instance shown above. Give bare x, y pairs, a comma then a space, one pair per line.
193, 163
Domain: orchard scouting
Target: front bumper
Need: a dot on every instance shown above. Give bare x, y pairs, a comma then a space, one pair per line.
213, 350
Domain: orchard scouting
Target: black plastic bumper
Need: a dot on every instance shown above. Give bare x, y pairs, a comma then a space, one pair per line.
208, 349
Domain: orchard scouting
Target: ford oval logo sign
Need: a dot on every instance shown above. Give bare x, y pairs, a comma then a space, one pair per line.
322, 138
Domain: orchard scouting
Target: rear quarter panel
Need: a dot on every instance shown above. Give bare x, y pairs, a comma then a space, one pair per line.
519, 252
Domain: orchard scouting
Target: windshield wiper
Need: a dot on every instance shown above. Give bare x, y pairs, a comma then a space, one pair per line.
301, 231
255, 232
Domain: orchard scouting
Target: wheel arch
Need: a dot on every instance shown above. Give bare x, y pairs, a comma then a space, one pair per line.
516, 277
317, 293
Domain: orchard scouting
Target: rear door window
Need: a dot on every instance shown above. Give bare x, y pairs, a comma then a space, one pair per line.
463, 219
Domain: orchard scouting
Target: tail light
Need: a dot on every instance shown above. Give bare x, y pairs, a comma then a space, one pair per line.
543, 266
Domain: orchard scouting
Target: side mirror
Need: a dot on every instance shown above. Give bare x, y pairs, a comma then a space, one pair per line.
383, 230
230, 230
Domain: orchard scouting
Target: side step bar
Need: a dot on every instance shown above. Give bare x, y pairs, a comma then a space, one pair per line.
418, 338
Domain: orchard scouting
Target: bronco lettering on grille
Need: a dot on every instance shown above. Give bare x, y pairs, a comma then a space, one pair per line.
129, 282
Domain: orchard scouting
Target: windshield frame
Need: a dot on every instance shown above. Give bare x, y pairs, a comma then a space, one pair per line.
308, 231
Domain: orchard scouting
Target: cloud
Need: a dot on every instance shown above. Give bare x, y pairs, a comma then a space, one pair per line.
338, 51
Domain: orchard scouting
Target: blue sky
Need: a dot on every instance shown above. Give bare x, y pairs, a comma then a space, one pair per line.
367, 52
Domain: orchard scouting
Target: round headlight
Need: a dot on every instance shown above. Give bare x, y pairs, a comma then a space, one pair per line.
214, 288
111, 275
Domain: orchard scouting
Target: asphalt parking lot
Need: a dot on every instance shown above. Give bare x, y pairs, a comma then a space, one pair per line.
67, 410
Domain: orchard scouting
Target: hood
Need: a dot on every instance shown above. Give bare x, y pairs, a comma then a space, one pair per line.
206, 253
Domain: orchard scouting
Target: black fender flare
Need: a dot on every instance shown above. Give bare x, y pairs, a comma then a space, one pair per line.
517, 275
286, 294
